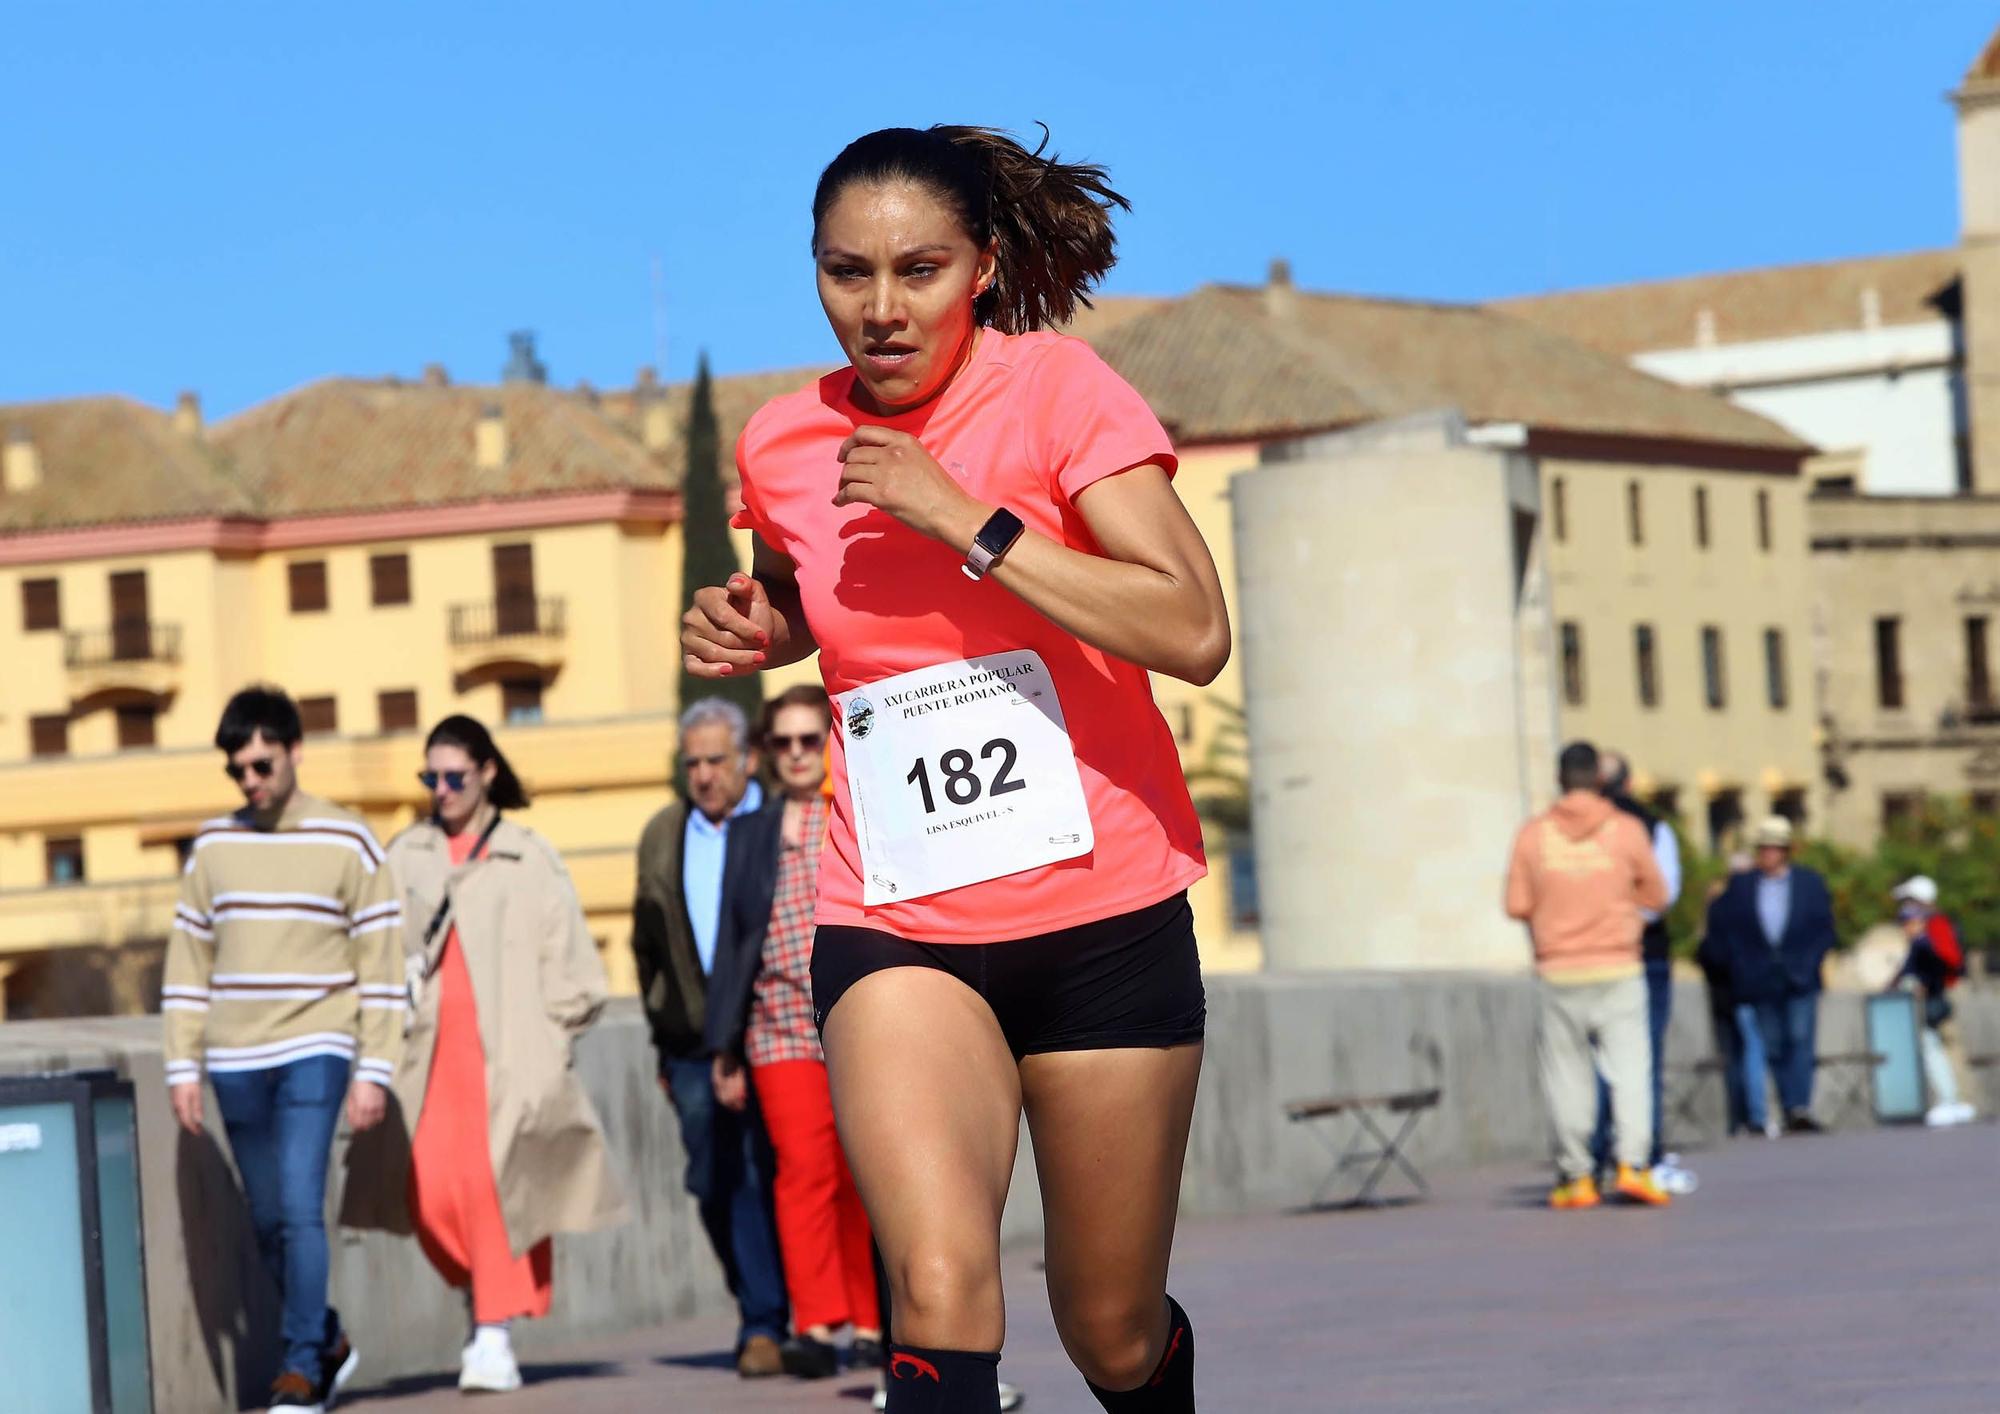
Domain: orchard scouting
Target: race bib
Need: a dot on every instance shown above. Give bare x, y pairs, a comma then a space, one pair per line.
961, 773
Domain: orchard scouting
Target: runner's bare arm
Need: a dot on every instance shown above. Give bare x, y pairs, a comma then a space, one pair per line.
752, 623
1152, 597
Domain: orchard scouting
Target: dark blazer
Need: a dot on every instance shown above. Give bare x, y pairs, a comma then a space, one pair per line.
749, 884
1736, 946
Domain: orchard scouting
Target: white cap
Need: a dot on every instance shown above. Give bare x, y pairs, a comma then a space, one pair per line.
1920, 889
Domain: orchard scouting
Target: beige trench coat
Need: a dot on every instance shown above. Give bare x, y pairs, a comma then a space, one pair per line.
538, 984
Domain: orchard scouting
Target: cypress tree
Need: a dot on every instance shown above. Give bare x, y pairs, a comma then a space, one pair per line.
708, 555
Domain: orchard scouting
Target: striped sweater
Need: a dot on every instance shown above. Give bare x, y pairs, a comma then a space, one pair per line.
287, 943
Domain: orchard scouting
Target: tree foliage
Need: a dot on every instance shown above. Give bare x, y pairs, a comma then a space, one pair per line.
708, 555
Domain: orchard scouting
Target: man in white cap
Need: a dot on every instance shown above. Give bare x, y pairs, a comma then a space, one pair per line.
1771, 930
1935, 963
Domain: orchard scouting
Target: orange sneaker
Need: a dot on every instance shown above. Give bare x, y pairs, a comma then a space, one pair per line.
1577, 1193
1637, 1186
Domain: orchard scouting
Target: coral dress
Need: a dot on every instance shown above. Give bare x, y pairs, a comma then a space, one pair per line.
454, 1200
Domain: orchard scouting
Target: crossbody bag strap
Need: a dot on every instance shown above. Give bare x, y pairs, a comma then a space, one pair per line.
444, 904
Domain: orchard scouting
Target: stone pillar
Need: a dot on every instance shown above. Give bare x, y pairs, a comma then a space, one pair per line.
1401, 708
1978, 102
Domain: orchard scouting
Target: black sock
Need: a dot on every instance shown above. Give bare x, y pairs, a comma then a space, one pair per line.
1170, 1388
943, 1381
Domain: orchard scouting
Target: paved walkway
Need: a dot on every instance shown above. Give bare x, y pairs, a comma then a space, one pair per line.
1852, 1272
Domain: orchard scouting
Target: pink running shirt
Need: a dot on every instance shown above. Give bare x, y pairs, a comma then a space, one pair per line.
1028, 423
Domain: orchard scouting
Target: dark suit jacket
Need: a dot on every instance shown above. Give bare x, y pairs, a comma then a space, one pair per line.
1736, 945
749, 883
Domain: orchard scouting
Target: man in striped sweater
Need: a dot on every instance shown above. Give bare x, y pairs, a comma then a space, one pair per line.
284, 982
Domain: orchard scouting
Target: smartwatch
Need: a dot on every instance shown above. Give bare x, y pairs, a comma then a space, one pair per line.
995, 538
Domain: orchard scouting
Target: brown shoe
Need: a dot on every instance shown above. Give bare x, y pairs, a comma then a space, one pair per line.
291, 1392
760, 1358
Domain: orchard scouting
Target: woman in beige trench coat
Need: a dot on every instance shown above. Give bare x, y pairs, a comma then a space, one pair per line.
498, 1146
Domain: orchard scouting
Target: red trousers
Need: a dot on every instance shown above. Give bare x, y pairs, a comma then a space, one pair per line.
454, 1200
822, 1230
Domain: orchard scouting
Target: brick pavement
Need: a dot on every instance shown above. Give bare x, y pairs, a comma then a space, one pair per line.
1858, 1271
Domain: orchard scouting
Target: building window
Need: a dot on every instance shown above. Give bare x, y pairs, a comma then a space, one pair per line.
1559, 508
1701, 517
308, 586
514, 589
1725, 818
1665, 802
63, 860
1714, 681
1572, 655
319, 716
397, 710
41, 605
1984, 804
131, 617
521, 701
1889, 663
136, 725
1245, 911
1776, 688
1635, 513
389, 579
1792, 805
48, 736
1978, 672
1646, 657
1763, 520
1901, 809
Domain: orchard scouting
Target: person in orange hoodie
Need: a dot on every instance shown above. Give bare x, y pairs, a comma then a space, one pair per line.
1581, 873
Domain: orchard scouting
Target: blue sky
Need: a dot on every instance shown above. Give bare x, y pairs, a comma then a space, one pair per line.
245, 201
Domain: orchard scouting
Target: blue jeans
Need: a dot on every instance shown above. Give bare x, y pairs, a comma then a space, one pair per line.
1659, 1011
280, 1123
729, 1172
1783, 1036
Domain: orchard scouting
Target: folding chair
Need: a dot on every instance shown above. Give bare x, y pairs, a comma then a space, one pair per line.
1388, 1150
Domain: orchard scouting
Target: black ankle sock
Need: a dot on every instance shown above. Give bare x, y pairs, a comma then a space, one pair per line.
943, 1381
1170, 1388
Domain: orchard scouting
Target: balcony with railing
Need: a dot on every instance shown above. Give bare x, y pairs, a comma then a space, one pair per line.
509, 629
137, 656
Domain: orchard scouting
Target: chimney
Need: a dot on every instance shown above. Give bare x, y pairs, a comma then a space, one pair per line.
22, 470
1978, 102
1871, 308
1704, 328
649, 378
187, 415
435, 376
489, 439
656, 423
1279, 297
522, 365
587, 391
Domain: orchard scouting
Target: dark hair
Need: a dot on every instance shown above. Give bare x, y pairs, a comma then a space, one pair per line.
804, 694
469, 735
1048, 221
262, 710
1577, 768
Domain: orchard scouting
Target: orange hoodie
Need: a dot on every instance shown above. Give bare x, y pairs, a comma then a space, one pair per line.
1579, 876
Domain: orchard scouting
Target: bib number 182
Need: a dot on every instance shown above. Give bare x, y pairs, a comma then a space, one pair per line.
962, 785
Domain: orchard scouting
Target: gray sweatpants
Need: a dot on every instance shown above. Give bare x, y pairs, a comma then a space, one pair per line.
1588, 1028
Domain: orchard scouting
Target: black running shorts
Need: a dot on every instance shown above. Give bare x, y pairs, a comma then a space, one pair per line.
1132, 980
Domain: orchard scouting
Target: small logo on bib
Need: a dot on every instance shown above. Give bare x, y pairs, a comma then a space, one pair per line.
860, 718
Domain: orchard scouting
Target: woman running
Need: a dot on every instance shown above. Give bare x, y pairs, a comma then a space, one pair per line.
507, 1147
760, 1014
975, 527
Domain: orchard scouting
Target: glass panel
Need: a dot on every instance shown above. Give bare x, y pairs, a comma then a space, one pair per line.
45, 1337
124, 1265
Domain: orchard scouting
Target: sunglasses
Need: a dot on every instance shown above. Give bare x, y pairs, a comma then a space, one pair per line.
454, 781
811, 741
264, 767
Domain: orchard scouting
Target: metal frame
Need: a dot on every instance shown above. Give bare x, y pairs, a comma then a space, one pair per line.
1352, 1155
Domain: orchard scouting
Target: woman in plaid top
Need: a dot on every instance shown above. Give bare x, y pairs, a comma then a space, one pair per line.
761, 1013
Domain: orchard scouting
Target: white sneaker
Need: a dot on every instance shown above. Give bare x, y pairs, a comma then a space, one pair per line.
487, 1368
1943, 1116
1674, 1179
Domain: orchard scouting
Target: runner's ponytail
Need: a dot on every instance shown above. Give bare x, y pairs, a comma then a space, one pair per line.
1048, 221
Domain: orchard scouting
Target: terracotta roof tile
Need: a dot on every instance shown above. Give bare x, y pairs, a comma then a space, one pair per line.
106, 459
1229, 363
1744, 305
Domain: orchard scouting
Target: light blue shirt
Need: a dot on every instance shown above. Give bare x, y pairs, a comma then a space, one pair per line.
701, 872
1774, 905
1666, 854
